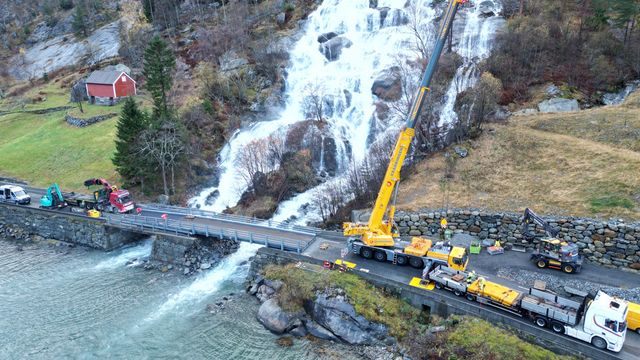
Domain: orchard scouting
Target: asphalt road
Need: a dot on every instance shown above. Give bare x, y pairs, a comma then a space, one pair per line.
487, 266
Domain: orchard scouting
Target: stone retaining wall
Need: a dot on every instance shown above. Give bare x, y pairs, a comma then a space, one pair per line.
613, 244
192, 254
22, 222
79, 122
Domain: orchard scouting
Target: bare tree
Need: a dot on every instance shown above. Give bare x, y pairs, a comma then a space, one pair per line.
165, 146
259, 156
313, 102
421, 29
406, 71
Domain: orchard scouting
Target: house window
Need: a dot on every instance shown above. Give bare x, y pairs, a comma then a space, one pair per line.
124, 79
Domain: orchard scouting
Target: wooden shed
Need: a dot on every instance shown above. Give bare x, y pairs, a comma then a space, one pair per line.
109, 85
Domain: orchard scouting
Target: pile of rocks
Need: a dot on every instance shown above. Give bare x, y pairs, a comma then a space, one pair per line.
329, 317
614, 243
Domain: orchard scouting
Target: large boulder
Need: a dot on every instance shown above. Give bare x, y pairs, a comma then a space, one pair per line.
558, 105
326, 37
487, 8
332, 48
230, 60
388, 85
338, 316
318, 331
275, 319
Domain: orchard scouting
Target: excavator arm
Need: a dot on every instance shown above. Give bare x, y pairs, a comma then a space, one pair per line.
378, 232
530, 216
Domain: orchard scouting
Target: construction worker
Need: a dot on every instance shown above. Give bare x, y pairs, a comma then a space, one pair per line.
497, 243
443, 228
481, 283
471, 277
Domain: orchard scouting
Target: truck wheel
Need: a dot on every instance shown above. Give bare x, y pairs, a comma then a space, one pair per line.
457, 292
402, 260
638, 331
470, 297
541, 263
540, 321
366, 253
439, 286
599, 342
557, 327
416, 263
380, 256
568, 268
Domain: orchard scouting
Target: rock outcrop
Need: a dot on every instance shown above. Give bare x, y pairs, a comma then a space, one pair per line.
329, 317
332, 48
558, 105
388, 85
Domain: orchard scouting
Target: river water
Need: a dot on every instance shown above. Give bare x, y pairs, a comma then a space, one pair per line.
87, 304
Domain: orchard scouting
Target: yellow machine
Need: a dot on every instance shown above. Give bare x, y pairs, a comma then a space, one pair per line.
379, 232
495, 292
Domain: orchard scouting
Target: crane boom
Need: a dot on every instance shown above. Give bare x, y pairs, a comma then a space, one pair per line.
379, 232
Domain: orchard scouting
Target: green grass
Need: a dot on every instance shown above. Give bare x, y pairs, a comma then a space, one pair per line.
474, 339
610, 201
367, 300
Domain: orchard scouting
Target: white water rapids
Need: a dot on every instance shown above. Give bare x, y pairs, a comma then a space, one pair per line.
376, 46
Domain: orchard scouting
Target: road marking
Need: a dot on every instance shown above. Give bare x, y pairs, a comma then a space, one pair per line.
417, 282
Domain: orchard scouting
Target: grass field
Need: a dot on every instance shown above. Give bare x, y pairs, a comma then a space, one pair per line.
584, 163
42, 149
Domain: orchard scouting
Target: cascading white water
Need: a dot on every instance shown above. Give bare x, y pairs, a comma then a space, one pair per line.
347, 81
134, 253
475, 46
375, 46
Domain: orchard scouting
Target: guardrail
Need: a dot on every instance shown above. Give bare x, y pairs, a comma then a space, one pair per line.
307, 230
178, 227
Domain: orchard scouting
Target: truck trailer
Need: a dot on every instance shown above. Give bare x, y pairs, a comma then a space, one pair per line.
599, 320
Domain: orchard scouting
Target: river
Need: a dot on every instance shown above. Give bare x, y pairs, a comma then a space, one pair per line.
78, 303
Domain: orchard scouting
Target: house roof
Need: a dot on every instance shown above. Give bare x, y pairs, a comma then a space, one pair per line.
105, 77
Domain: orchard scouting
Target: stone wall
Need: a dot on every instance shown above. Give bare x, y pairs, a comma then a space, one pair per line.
22, 221
192, 254
79, 122
613, 244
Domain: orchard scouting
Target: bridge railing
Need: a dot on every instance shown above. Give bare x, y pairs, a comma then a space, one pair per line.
230, 218
179, 227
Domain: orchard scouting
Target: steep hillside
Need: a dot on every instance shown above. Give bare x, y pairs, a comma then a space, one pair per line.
582, 163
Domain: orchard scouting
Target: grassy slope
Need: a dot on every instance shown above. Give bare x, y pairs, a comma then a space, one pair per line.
584, 163
43, 149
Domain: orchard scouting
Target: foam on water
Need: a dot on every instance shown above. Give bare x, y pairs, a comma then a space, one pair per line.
132, 253
229, 269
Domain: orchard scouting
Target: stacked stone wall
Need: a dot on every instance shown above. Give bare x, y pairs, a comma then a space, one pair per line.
611, 243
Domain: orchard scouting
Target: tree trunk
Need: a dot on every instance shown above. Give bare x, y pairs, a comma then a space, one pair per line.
521, 12
173, 179
164, 177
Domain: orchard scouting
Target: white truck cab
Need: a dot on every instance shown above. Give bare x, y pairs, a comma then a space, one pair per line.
603, 324
14, 194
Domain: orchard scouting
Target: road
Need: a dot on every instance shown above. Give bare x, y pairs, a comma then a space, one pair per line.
488, 266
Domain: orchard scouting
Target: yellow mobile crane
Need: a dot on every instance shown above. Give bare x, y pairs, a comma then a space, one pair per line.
376, 237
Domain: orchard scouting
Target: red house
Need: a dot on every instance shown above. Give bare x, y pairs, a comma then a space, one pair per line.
109, 86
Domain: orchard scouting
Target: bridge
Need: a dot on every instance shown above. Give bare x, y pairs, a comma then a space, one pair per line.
303, 244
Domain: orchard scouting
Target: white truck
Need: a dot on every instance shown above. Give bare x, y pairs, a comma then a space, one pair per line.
599, 320
14, 194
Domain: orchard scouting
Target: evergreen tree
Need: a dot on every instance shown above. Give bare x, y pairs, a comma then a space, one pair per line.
79, 23
159, 63
132, 123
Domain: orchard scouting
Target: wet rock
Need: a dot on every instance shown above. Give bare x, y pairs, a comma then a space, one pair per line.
462, 152
205, 266
332, 49
318, 331
281, 18
388, 85
274, 318
326, 37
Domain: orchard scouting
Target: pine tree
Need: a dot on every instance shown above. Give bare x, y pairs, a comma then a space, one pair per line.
79, 22
159, 63
132, 123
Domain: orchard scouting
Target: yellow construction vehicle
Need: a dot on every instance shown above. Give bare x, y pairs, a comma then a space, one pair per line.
376, 238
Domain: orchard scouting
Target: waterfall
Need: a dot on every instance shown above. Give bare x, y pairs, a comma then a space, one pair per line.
368, 42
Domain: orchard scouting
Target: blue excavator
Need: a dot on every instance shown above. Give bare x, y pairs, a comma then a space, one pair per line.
53, 198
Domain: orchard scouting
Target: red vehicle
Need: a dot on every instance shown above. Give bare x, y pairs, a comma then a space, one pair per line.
109, 198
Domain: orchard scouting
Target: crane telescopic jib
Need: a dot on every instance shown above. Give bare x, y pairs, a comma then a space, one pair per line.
379, 232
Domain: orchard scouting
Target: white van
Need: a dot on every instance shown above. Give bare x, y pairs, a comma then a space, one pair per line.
14, 194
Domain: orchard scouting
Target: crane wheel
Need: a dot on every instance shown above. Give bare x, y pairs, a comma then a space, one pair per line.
557, 327
457, 292
416, 262
401, 260
439, 286
568, 269
541, 264
380, 256
366, 253
471, 297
